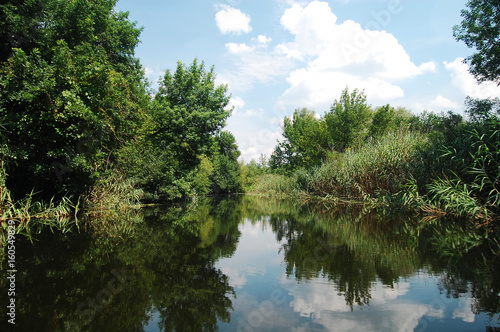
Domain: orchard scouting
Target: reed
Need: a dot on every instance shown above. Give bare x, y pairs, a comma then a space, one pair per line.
377, 168
31, 216
112, 205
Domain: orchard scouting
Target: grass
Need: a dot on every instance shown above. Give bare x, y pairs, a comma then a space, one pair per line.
112, 204
32, 216
378, 167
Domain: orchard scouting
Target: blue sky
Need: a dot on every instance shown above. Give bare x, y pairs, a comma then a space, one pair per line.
279, 55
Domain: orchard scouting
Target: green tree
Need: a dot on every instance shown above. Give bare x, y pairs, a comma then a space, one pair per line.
383, 121
189, 109
480, 29
305, 142
227, 171
183, 150
71, 91
348, 120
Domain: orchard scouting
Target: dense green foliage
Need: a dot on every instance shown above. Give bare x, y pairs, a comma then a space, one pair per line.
71, 92
347, 120
182, 150
77, 117
480, 29
437, 163
310, 140
305, 142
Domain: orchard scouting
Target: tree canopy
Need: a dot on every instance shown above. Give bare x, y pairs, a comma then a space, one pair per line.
75, 106
71, 90
348, 119
480, 29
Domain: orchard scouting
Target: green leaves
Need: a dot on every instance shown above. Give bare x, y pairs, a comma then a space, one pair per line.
348, 120
188, 110
70, 95
480, 29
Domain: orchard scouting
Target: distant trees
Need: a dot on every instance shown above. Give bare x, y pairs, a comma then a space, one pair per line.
348, 120
305, 142
310, 138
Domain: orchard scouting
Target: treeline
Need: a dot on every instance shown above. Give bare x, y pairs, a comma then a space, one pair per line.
79, 121
440, 164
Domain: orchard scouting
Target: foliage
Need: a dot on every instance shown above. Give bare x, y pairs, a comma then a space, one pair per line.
305, 142
480, 29
308, 139
226, 173
70, 92
473, 153
77, 120
252, 171
183, 151
188, 110
376, 168
31, 216
348, 120
387, 118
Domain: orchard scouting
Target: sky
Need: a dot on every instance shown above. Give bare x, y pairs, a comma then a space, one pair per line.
280, 55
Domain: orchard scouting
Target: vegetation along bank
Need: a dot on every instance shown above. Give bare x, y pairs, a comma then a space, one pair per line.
82, 131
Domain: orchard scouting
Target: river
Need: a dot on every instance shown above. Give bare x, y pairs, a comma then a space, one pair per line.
256, 264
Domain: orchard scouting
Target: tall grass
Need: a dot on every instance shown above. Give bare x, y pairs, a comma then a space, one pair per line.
112, 204
32, 216
377, 168
469, 184
275, 185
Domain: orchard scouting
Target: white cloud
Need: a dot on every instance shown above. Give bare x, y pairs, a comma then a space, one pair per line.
340, 55
255, 142
254, 113
153, 73
252, 65
318, 89
443, 102
232, 20
463, 310
238, 48
263, 39
323, 303
237, 102
463, 80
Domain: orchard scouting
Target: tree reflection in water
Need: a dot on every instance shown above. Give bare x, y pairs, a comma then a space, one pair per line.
161, 269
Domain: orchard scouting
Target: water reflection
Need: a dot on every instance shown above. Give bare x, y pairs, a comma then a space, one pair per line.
252, 264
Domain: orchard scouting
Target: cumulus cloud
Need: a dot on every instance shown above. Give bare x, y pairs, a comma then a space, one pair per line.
340, 54
238, 48
319, 300
232, 20
237, 102
263, 39
443, 102
463, 80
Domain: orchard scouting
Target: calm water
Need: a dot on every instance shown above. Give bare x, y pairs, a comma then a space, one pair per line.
250, 264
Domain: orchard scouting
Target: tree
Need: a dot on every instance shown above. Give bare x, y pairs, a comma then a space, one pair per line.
178, 155
71, 91
480, 29
305, 142
383, 121
189, 109
348, 119
227, 171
